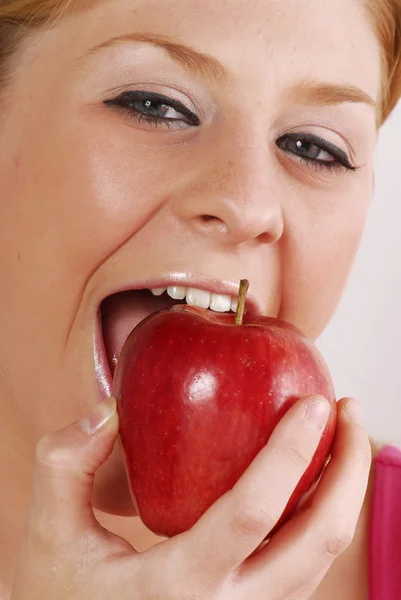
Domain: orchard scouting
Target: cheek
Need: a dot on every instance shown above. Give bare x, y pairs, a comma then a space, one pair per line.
318, 253
109, 198
65, 208
74, 205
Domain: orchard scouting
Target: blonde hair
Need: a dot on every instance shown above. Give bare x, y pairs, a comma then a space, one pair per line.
18, 16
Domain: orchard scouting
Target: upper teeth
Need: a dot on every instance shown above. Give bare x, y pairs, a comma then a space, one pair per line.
201, 298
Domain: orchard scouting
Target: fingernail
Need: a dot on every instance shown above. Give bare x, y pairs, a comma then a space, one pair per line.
98, 416
354, 412
317, 412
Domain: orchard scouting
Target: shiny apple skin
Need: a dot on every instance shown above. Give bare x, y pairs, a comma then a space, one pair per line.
198, 397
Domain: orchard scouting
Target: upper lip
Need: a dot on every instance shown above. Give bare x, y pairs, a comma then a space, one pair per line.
200, 282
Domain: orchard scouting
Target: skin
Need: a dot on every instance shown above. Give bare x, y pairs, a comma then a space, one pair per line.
93, 200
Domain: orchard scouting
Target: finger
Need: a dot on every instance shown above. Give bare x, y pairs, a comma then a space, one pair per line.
239, 521
66, 462
309, 543
344, 483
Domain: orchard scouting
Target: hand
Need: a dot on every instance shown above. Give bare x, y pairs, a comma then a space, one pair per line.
67, 555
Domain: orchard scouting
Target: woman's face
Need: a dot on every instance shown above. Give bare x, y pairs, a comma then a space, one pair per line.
127, 162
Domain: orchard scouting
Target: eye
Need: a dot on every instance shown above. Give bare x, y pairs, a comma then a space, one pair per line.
155, 109
315, 150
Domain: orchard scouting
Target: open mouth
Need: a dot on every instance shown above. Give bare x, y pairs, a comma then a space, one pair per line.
120, 313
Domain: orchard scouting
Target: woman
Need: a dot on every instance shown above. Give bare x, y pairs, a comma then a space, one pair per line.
179, 145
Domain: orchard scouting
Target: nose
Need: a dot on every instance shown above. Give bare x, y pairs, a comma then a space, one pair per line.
233, 196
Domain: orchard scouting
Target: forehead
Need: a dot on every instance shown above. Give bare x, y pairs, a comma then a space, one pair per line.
332, 40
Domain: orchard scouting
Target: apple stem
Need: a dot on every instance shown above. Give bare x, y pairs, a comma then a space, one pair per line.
243, 290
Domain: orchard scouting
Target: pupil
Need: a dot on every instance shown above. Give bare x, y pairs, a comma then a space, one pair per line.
152, 107
307, 148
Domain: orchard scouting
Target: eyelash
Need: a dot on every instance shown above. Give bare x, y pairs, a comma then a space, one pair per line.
341, 161
127, 101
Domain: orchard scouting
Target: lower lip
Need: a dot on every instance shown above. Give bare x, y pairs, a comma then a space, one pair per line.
102, 369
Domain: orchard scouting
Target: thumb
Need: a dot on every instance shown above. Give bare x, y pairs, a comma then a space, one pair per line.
66, 463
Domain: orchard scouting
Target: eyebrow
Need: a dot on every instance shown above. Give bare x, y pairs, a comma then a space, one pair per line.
197, 63
329, 94
193, 61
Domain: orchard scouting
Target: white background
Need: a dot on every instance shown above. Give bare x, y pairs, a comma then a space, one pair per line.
362, 344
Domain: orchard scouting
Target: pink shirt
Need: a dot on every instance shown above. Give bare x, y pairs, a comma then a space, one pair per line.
385, 527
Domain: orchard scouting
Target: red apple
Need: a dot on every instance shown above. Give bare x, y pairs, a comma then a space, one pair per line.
198, 397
